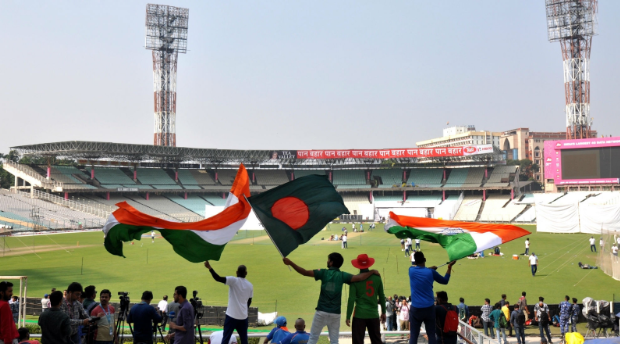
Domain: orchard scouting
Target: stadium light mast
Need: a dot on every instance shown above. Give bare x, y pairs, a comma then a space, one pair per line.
166, 36
573, 23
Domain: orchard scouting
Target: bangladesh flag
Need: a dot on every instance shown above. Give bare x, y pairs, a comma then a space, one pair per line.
460, 239
294, 212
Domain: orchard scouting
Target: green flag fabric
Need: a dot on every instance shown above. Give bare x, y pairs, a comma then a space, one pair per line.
294, 212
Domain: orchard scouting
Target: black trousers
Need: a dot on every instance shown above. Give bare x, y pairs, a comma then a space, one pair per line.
359, 327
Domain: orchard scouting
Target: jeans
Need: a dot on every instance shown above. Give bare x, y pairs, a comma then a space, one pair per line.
417, 316
322, 319
527, 251
407, 251
417, 246
563, 325
358, 330
231, 324
488, 328
520, 334
389, 323
534, 269
501, 331
592, 248
546, 329
573, 325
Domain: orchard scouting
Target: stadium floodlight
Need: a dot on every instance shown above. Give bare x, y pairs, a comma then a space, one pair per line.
166, 36
573, 23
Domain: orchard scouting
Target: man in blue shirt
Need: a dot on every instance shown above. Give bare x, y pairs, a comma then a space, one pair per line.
422, 310
299, 337
279, 332
183, 326
143, 315
565, 308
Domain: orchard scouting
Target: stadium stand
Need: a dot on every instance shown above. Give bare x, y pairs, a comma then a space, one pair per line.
195, 177
353, 201
64, 174
226, 177
192, 187
112, 176
469, 208
193, 203
389, 178
423, 201
166, 206
474, 177
425, 177
349, 179
528, 216
501, 176
448, 208
215, 200
500, 208
168, 187
154, 176
270, 177
303, 173
456, 178
388, 198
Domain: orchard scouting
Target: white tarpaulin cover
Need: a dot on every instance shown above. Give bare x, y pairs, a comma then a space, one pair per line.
552, 218
577, 218
597, 217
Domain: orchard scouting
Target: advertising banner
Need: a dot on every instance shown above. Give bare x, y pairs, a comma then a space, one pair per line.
395, 153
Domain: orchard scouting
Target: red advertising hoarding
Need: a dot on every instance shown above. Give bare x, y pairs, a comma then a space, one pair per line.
395, 153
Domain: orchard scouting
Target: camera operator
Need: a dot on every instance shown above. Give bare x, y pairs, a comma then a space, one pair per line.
183, 326
73, 308
143, 315
105, 325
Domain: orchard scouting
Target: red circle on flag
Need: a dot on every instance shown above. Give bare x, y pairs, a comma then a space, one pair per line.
292, 211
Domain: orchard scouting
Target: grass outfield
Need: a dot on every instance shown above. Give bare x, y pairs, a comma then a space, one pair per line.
57, 260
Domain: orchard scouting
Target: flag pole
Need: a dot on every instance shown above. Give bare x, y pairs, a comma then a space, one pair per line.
274, 243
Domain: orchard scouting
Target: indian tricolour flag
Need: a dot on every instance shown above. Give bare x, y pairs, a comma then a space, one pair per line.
194, 241
460, 239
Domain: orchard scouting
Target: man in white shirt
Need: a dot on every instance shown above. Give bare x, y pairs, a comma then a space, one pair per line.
614, 251
344, 241
45, 302
533, 263
417, 244
216, 338
240, 293
407, 247
601, 243
592, 245
162, 306
527, 246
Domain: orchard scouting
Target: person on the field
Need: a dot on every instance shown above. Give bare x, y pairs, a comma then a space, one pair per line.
565, 308
279, 332
152, 237
533, 262
441, 310
240, 295
363, 297
300, 336
523, 306
518, 323
329, 304
574, 315
541, 313
344, 242
417, 244
494, 317
527, 246
486, 310
592, 245
407, 247
614, 251
421, 281
402, 244
8, 331
601, 243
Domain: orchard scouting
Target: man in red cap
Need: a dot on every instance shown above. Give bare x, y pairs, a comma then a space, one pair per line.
364, 295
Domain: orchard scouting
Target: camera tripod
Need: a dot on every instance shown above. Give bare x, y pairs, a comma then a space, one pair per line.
120, 324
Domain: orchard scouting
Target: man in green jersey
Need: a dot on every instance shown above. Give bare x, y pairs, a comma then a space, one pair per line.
364, 296
328, 308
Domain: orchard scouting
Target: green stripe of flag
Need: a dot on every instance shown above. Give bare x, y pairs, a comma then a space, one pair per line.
457, 245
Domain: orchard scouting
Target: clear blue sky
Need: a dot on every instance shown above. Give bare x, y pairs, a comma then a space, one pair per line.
295, 74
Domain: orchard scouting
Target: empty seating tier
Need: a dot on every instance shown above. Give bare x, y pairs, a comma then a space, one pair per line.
266, 177
497, 209
428, 177
226, 177
469, 208
112, 175
349, 178
389, 178
501, 176
302, 173
154, 176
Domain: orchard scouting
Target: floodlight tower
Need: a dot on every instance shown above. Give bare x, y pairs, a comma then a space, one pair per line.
573, 23
166, 36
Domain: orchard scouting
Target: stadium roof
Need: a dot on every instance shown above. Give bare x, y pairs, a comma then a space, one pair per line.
94, 151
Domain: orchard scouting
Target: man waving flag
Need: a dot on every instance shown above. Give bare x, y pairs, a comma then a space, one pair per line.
194, 241
460, 239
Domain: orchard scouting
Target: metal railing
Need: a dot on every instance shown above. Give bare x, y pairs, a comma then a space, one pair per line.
27, 170
471, 335
99, 210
